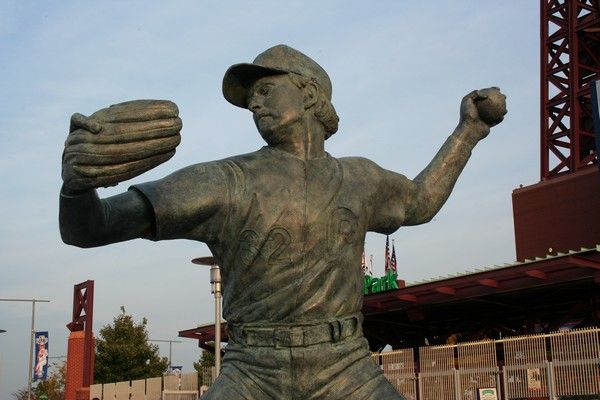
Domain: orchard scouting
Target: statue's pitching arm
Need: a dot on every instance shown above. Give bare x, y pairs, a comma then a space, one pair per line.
413, 202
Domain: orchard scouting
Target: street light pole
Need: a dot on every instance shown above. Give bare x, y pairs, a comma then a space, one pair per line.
170, 343
1, 331
31, 345
215, 282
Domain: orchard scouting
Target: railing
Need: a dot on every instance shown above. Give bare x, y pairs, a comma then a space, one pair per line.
576, 369
538, 366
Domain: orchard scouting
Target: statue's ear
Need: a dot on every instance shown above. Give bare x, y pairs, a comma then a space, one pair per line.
311, 93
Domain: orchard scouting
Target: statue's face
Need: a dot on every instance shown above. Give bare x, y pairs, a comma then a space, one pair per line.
277, 106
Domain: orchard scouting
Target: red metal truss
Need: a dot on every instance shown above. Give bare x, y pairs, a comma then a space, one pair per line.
83, 316
570, 60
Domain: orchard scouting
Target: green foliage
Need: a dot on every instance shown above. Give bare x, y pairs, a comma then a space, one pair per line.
53, 387
207, 360
123, 352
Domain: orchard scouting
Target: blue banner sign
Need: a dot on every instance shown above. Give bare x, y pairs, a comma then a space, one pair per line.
40, 371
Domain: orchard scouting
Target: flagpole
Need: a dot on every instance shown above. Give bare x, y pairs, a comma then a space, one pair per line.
387, 254
393, 261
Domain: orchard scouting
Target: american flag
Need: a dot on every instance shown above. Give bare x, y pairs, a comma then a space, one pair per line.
387, 253
393, 264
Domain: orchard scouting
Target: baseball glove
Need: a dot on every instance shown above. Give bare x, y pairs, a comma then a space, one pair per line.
119, 142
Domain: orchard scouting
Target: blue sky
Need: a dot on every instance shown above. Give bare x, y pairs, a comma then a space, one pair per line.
399, 70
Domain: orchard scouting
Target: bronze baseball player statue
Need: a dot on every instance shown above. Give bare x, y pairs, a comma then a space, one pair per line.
286, 223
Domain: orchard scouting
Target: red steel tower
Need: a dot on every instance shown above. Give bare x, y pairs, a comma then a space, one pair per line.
570, 60
562, 211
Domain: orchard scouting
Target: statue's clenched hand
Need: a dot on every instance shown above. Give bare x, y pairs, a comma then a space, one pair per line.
482, 109
118, 143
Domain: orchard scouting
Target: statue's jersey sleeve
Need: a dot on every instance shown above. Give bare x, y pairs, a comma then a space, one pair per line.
190, 203
389, 195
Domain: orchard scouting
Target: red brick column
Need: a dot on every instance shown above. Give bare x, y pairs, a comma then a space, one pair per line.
83, 393
74, 382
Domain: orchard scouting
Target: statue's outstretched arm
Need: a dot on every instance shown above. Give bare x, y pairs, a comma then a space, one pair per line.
87, 221
413, 202
479, 111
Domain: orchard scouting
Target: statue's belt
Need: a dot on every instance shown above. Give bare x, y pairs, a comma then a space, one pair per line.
294, 335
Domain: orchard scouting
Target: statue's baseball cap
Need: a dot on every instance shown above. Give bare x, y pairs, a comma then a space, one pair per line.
277, 60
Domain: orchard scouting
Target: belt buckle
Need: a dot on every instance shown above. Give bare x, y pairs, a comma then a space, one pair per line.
282, 337
288, 337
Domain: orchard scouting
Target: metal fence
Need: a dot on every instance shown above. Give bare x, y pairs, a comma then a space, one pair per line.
550, 366
526, 367
477, 368
399, 368
576, 370
209, 374
437, 377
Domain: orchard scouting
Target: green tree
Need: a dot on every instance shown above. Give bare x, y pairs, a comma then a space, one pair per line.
123, 352
53, 387
207, 360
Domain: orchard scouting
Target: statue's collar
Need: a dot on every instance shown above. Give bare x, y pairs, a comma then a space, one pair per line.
282, 153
